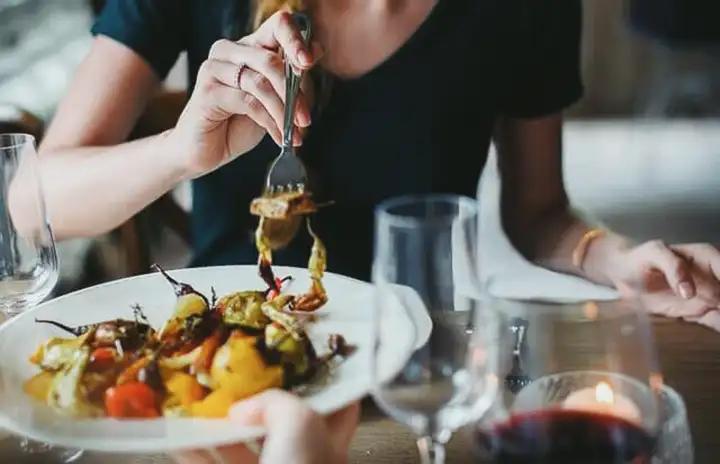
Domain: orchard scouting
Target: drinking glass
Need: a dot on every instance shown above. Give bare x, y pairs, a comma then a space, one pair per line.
431, 373
28, 259
592, 389
675, 444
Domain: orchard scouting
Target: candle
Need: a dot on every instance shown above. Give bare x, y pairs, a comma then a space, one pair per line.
603, 400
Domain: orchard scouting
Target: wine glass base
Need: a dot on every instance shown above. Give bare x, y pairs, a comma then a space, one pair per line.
32, 451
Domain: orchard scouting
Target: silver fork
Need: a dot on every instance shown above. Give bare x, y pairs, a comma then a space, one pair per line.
517, 378
287, 172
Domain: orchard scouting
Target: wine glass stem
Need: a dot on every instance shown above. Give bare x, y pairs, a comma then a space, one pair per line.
431, 451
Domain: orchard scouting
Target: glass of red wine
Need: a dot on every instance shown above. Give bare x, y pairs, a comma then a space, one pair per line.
430, 372
592, 387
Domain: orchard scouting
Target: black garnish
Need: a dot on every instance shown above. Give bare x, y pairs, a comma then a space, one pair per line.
267, 275
150, 374
180, 288
339, 347
77, 331
139, 315
213, 298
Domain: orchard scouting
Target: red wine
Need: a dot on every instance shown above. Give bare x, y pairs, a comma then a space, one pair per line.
565, 436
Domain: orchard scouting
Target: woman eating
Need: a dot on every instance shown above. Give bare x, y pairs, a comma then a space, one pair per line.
400, 97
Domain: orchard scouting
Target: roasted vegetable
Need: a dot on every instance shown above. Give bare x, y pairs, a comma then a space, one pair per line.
273, 309
192, 315
39, 386
316, 297
65, 395
283, 206
134, 400
295, 354
56, 353
202, 363
128, 334
278, 233
103, 358
215, 406
239, 367
271, 293
181, 361
183, 389
243, 309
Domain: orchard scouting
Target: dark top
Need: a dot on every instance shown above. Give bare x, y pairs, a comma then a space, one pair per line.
420, 122
678, 22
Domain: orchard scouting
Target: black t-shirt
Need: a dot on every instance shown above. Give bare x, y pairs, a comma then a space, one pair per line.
420, 122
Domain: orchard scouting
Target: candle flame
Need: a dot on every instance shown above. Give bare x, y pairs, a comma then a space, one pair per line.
604, 393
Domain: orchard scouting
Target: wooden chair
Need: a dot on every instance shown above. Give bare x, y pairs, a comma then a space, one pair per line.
17, 120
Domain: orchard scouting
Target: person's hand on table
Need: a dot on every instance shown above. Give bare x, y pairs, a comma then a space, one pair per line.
295, 434
680, 281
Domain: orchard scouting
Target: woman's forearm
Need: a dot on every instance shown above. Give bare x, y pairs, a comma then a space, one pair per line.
91, 190
556, 238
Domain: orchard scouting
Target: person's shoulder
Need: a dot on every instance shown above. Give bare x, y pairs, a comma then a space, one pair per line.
154, 29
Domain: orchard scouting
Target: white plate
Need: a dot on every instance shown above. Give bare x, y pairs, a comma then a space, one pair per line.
349, 312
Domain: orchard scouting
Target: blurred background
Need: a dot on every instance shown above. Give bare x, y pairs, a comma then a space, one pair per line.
642, 149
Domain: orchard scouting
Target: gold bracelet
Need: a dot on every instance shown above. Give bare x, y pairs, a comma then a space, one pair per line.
581, 249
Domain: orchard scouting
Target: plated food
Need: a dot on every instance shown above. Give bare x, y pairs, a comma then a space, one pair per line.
183, 367
211, 353
343, 381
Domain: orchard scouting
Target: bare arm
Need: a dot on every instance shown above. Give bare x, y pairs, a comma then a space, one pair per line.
92, 181
535, 211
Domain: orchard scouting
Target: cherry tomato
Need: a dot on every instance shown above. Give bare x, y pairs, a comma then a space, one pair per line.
102, 358
132, 400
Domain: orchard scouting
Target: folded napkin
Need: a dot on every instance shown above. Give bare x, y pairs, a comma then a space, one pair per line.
534, 283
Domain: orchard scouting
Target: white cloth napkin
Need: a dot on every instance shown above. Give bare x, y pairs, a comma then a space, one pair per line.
534, 283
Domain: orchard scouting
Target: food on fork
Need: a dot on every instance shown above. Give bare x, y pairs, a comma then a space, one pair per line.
283, 205
278, 212
211, 353
316, 296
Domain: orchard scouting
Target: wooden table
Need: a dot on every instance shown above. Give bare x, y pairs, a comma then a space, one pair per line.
690, 357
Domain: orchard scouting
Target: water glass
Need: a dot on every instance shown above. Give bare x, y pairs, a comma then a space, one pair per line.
425, 273
28, 258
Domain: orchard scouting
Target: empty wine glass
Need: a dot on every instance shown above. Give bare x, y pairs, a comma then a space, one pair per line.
593, 395
28, 258
425, 272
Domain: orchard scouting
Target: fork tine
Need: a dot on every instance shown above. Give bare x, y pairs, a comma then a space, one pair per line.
287, 172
